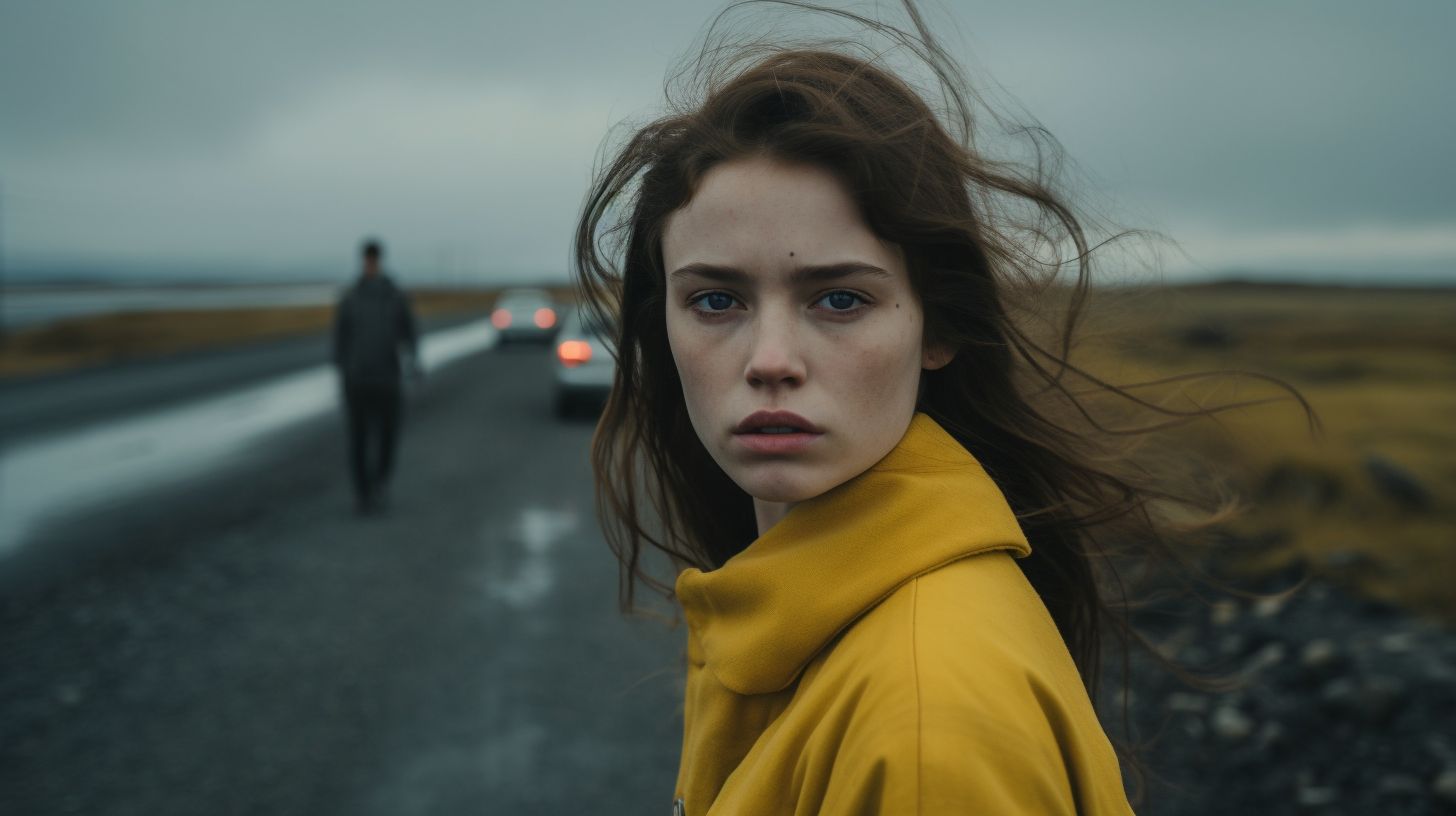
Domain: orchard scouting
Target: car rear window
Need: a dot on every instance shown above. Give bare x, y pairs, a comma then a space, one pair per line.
523, 303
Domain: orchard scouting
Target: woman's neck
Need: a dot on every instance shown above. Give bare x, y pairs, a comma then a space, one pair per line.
770, 513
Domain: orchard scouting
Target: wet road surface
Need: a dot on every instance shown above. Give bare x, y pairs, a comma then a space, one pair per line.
243, 643
67, 400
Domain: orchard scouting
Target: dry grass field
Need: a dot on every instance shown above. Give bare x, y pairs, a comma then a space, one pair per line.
1367, 497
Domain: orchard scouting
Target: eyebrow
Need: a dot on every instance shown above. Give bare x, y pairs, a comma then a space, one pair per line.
803, 274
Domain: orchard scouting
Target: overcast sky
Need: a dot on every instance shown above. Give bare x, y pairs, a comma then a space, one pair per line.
1297, 137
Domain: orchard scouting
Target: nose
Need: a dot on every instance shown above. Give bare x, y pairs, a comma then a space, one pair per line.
775, 359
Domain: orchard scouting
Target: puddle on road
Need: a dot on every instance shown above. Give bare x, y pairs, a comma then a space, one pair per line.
536, 532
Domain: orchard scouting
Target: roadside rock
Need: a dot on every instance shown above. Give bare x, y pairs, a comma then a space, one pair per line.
1444, 787
1320, 658
1230, 724
1330, 704
1396, 483
1208, 335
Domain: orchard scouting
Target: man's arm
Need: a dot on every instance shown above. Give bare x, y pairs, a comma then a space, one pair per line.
343, 332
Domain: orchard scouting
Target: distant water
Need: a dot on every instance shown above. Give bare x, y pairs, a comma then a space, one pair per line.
36, 305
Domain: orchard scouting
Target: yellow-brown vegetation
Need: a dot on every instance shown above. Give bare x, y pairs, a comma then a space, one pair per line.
1370, 499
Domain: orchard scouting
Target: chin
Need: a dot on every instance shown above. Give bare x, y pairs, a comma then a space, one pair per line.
785, 487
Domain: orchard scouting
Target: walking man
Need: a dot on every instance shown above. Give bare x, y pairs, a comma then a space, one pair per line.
373, 326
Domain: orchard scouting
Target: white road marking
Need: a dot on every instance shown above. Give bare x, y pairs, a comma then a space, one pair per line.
110, 462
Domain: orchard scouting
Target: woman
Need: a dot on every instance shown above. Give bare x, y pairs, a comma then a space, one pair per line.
886, 526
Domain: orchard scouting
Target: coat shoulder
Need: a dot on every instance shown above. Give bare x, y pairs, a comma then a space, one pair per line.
975, 616
970, 697
983, 608
958, 641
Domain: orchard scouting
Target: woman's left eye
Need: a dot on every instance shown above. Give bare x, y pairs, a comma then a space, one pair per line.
840, 301
712, 302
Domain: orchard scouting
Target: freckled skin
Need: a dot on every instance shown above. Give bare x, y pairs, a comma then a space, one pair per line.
785, 345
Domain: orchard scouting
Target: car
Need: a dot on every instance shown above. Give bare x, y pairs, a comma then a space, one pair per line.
524, 314
585, 367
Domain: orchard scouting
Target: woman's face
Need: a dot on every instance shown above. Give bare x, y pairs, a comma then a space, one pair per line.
781, 299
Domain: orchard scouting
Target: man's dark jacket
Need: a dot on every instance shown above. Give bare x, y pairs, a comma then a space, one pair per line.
373, 320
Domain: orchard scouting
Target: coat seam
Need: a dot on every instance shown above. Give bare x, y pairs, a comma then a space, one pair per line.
915, 673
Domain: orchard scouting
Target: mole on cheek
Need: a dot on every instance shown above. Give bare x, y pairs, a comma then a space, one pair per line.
791, 254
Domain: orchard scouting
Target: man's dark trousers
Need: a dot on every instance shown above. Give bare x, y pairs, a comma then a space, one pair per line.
373, 431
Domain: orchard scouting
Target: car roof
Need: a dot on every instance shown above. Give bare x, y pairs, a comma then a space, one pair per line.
525, 294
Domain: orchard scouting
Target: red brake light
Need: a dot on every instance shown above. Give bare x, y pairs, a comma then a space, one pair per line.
500, 318
574, 352
545, 318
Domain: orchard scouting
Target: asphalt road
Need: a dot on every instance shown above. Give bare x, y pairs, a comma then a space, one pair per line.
244, 643
59, 402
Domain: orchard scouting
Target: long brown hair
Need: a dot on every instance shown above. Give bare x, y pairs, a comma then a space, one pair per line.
988, 245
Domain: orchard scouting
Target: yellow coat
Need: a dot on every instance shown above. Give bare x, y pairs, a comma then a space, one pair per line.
879, 651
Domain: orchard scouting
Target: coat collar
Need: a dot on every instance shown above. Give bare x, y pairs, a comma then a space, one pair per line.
762, 616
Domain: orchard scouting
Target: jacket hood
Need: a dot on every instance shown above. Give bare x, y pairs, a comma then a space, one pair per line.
763, 615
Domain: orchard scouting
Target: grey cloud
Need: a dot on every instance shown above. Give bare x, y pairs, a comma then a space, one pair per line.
161, 76
1248, 117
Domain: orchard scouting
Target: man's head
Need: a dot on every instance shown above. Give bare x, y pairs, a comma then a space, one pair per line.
372, 251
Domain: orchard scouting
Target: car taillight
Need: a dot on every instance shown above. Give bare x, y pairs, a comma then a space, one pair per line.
545, 318
501, 318
574, 352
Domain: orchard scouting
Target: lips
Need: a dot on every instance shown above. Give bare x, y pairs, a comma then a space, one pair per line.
776, 433
776, 422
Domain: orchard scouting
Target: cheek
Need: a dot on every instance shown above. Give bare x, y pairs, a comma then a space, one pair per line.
885, 367
681, 351
690, 355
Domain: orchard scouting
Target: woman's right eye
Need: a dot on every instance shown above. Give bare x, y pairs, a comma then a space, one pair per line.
712, 302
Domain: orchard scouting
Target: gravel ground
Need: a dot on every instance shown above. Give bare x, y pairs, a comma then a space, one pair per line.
1343, 706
